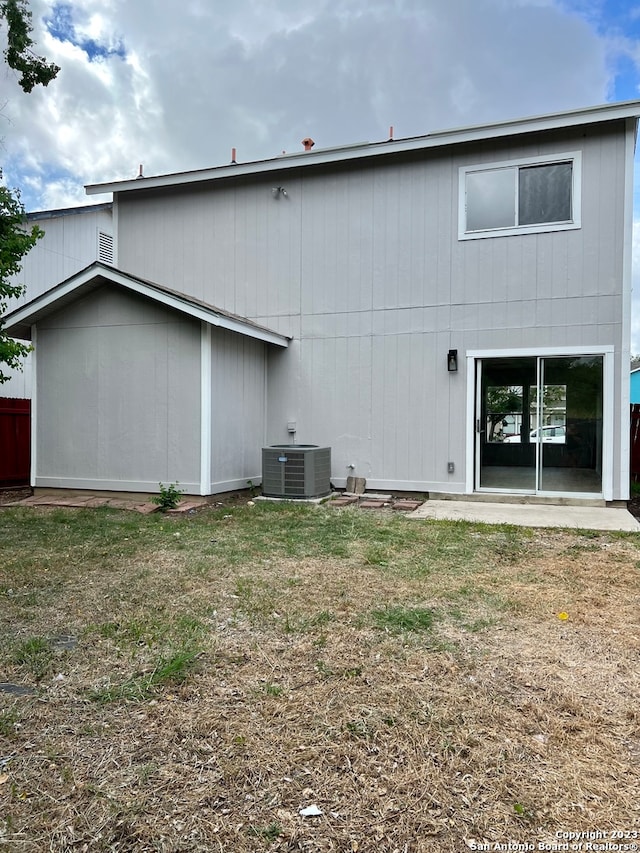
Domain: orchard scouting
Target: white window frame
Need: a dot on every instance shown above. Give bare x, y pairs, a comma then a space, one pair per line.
574, 157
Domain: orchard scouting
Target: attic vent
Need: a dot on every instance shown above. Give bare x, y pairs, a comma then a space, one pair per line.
296, 471
105, 248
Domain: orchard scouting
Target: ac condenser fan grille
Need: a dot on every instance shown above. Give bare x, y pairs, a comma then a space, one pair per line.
296, 471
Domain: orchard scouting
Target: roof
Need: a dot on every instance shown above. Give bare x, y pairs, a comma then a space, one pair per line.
37, 215
18, 322
552, 121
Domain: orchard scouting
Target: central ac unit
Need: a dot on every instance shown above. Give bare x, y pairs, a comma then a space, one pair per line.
296, 471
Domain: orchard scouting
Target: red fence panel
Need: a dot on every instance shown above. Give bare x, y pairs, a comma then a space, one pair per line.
15, 442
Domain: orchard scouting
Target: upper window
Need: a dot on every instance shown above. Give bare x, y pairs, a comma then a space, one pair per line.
530, 196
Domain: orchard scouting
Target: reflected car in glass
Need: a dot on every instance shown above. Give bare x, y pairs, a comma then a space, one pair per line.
550, 435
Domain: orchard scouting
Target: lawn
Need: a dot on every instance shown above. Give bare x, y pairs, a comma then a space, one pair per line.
195, 682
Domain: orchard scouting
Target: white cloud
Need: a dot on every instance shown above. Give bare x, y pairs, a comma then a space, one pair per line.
201, 77
260, 76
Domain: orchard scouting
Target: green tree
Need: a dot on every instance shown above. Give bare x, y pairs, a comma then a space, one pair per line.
501, 402
34, 70
16, 239
15, 242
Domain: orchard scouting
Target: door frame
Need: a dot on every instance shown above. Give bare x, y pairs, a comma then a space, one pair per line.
608, 376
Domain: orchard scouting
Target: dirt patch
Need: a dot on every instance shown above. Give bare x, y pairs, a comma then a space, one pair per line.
16, 494
634, 506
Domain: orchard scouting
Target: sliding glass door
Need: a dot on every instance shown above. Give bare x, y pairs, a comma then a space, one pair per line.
539, 424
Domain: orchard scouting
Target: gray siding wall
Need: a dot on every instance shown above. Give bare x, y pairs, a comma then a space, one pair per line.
118, 402
362, 265
70, 243
238, 417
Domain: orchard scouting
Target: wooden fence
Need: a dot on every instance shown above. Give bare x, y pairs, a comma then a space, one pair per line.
15, 442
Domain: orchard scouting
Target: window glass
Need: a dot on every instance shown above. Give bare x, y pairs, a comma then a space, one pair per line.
503, 404
491, 199
544, 193
553, 415
530, 196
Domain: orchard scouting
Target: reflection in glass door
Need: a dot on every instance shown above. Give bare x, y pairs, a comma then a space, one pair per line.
539, 424
571, 424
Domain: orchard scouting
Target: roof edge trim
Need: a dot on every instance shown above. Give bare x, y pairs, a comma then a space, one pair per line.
18, 322
551, 121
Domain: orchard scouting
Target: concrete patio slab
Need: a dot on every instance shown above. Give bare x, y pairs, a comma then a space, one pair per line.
529, 515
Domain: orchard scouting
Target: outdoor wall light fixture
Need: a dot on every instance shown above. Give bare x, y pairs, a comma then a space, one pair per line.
276, 192
452, 360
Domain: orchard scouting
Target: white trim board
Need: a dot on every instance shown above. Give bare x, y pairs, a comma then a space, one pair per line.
540, 352
205, 408
34, 407
109, 485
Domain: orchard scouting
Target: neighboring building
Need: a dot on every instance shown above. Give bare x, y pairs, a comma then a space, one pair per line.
409, 304
73, 238
634, 396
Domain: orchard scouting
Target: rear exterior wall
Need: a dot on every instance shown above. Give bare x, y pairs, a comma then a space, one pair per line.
362, 266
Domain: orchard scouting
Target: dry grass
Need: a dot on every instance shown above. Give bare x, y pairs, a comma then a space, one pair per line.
411, 679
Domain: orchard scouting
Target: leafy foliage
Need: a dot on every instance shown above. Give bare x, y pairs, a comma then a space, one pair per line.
169, 496
34, 70
500, 401
15, 241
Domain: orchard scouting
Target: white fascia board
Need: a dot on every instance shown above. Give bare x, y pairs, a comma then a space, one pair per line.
22, 315
171, 301
592, 115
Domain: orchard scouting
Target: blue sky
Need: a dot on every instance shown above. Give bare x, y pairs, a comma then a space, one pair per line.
60, 24
617, 21
141, 84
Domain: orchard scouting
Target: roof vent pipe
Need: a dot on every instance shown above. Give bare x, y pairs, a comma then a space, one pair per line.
308, 143
139, 175
233, 156
391, 134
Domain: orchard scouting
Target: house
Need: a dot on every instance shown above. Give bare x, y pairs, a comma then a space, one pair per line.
71, 239
408, 303
634, 392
